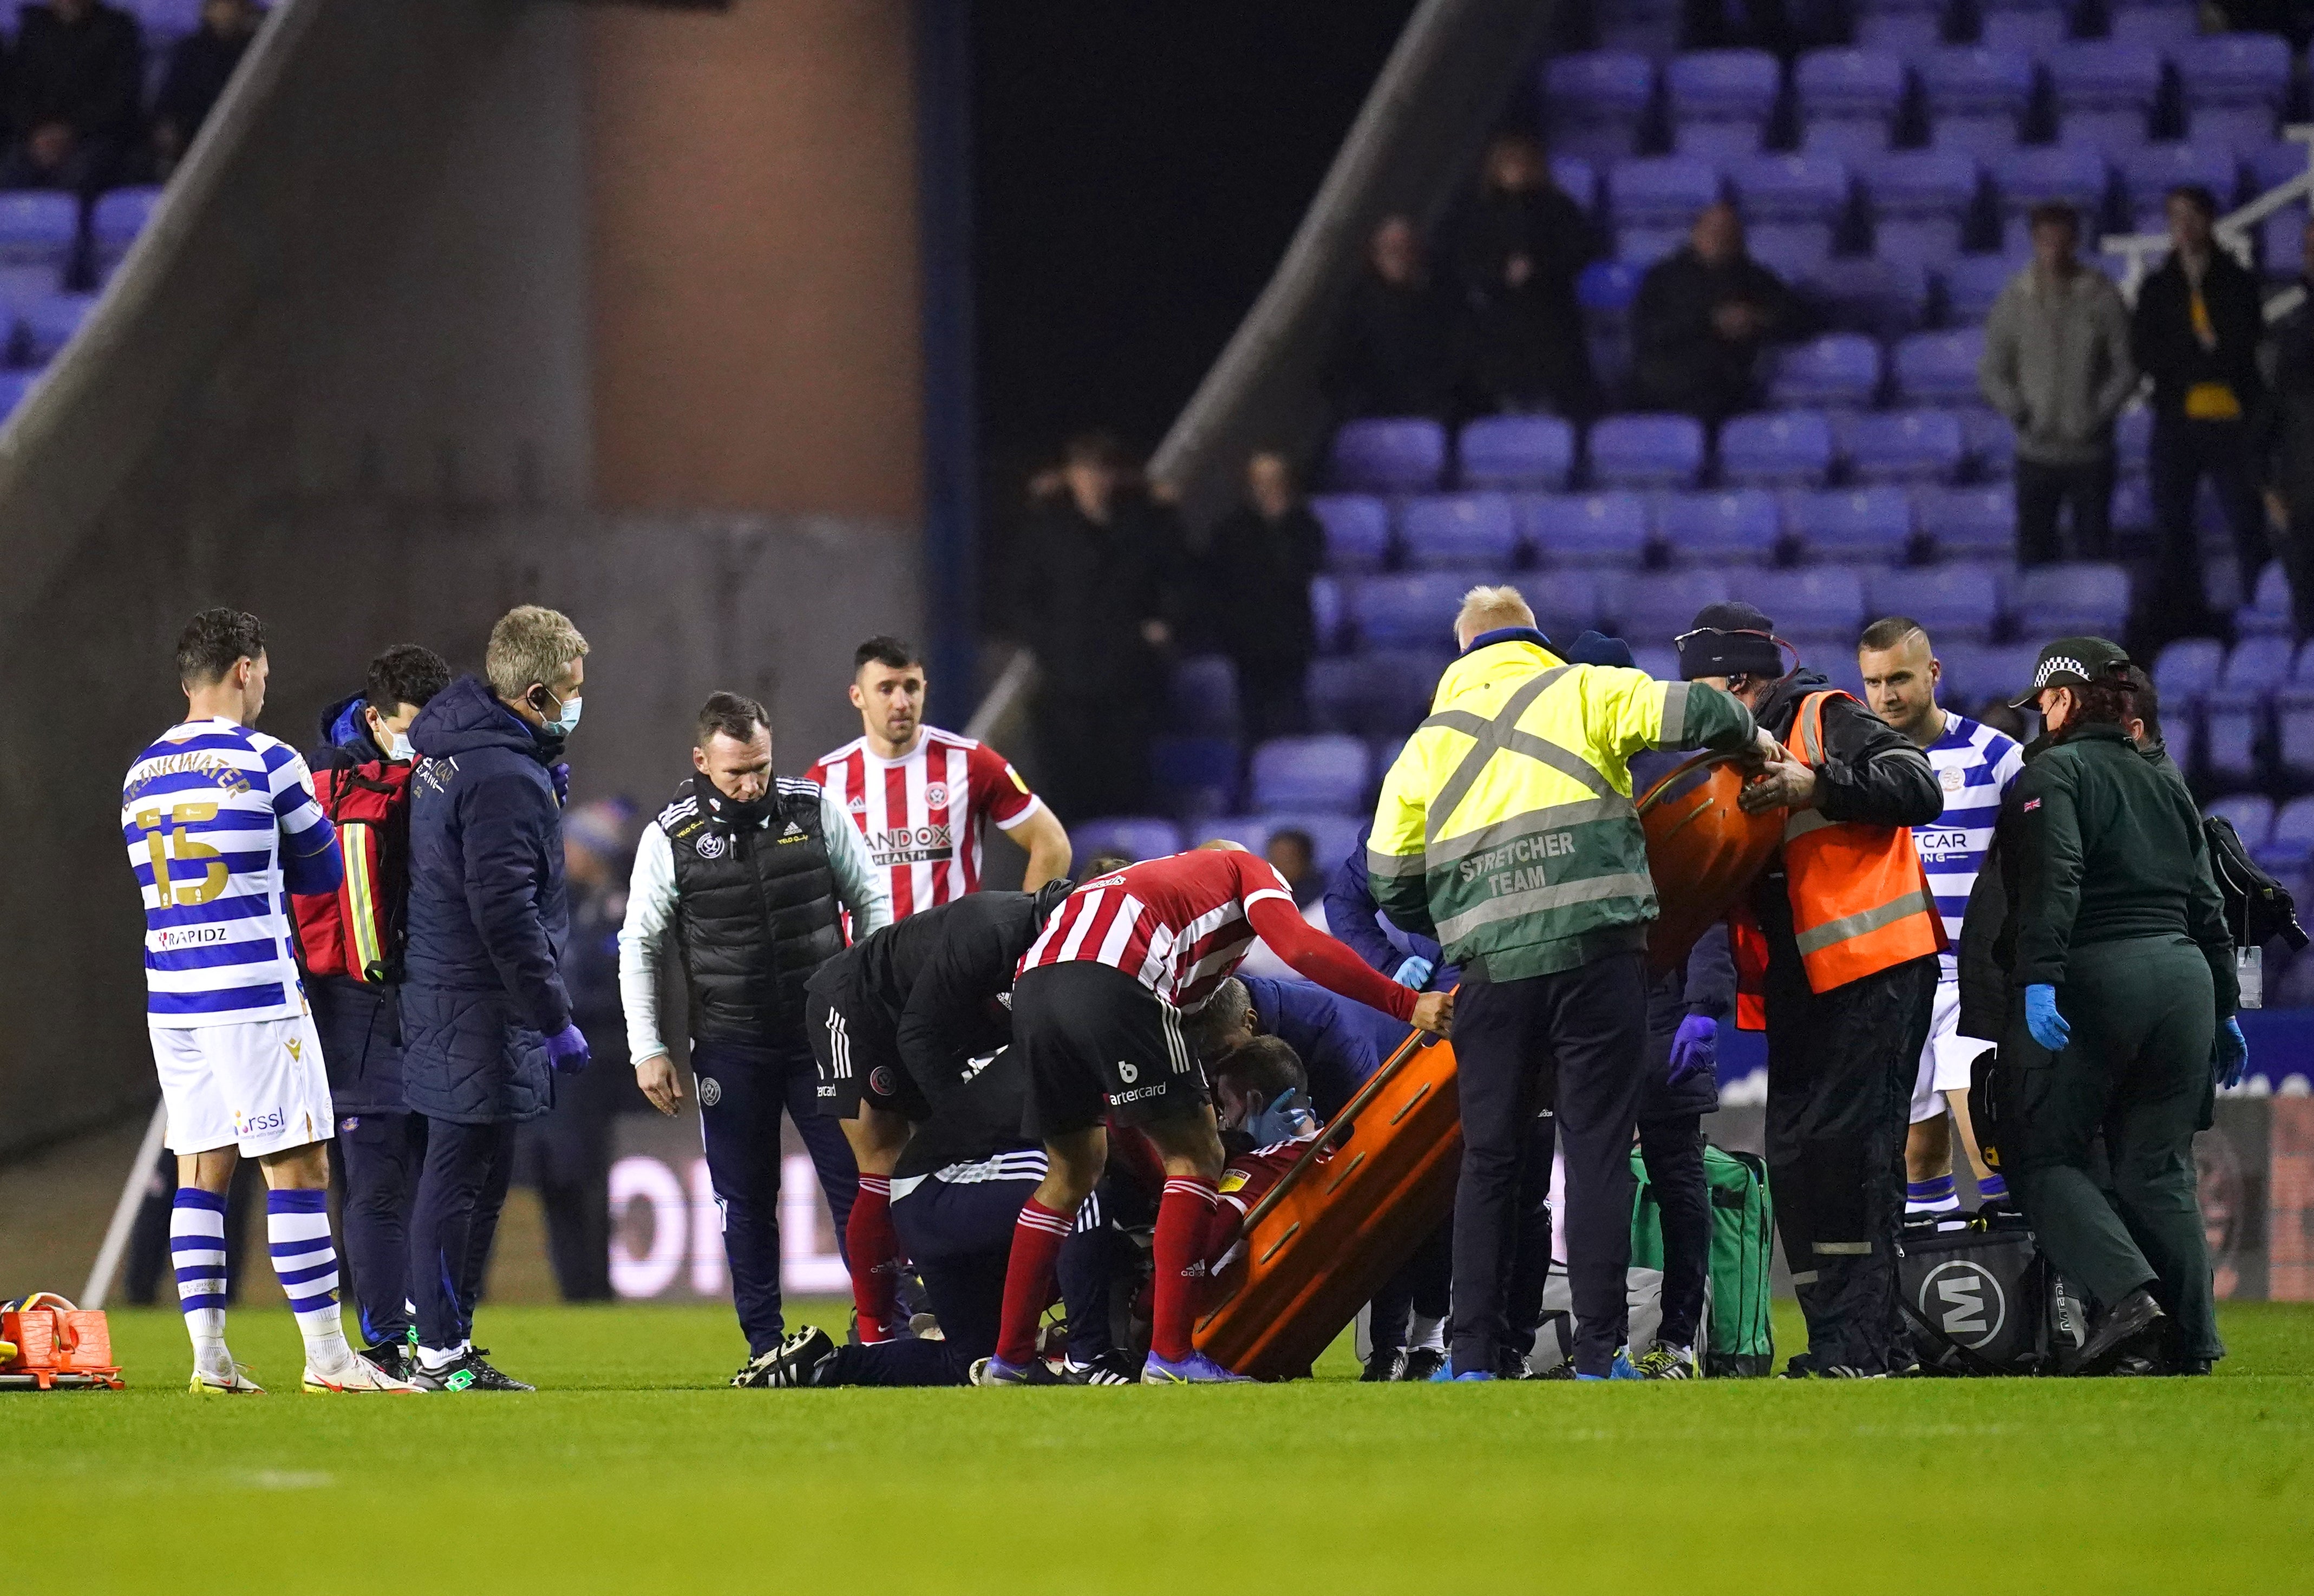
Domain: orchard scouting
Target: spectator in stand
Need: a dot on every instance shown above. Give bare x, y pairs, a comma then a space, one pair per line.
1393, 355
2195, 333
1293, 855
2056, 363
2288, 447
1262, 555
74, 96
1518, 249
200, 65
1092, 579
1702, 317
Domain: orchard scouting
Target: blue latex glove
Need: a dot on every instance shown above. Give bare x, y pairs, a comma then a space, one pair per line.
2233, 1053
1695, 1048
2041, 1018
559, 774
567, 1050
1415, 974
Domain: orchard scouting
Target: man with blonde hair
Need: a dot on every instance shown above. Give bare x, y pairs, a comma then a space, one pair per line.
484, 1012
1506, 829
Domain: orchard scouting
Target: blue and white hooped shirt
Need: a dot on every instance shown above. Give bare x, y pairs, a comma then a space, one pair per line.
1975, 765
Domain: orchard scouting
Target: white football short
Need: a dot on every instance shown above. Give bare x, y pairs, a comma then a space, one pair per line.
256, 1084
1945, 1061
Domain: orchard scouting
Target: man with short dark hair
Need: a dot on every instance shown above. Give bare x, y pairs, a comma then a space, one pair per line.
753, 872
485, 1016
349, 945
1393, 352
1261, 556
2196, 332
200, 65
75, 90
1293, 854
1703, 315
2057, 363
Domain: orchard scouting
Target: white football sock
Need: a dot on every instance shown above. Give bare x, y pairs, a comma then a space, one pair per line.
1429, 1333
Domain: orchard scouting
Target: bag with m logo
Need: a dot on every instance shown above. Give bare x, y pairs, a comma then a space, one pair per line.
1985, 1301
357, 930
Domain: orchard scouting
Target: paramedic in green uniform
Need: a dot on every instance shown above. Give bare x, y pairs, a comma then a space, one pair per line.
2125, 983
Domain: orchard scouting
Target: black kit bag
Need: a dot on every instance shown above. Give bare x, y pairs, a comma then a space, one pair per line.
1981, 1300
2258, 908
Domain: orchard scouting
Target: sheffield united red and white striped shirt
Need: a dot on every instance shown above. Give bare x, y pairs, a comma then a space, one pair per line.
921, 815
1178, 924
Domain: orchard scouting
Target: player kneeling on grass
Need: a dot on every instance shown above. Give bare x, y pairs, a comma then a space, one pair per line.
1097, 1017
956, 1191
220, 821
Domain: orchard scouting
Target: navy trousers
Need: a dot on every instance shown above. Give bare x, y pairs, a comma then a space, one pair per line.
1576, 1038
462, 1187
742, 1090
1673, 1150
381, 1155
961, 1238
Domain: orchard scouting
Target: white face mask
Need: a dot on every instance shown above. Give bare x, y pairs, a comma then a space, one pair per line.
400, 749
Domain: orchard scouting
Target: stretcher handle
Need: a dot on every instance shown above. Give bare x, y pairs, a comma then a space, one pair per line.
1701, 761
1338, 1130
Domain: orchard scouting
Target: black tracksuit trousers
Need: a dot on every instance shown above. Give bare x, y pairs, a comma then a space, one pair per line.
1840, 1066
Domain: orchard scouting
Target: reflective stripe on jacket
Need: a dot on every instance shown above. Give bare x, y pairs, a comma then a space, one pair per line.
1859, 898
1506, 822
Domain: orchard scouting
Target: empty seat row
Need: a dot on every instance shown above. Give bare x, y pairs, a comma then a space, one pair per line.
1139, 837
2192, 670
31, 334
1721, 102
41, 235
1969, 600
2280, 836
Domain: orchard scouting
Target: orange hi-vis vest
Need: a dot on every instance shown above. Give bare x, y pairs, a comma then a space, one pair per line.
1860, 899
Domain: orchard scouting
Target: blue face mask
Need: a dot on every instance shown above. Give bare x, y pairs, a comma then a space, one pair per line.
566, 722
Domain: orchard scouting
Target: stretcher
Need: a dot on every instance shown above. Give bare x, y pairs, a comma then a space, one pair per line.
1381, 1178
46, 1345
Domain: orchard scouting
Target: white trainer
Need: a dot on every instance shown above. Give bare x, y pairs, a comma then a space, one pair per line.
358, 1378
236, 1384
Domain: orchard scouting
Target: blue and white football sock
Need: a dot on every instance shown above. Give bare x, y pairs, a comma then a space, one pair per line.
197, 1249
1931, 1197
297, 1227
1992, 1188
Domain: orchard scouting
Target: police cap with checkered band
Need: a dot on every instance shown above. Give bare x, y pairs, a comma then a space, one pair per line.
2075, 662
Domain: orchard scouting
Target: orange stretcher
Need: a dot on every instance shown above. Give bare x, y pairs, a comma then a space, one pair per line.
1381, 1177
51, 1346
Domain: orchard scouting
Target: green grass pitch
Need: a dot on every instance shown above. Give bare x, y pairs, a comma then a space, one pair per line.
634, 1469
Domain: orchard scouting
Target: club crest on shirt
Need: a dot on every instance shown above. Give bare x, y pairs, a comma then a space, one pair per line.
713, 845
1954, 778
936, 795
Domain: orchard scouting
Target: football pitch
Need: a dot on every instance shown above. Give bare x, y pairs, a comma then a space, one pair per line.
634, 1469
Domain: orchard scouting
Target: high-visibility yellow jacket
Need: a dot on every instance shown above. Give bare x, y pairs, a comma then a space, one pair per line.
1505, 827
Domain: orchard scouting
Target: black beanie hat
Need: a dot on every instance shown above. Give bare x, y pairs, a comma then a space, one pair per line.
1729, 640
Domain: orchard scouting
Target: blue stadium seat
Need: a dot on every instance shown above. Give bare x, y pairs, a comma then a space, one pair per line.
1902, 445
2289, 845
1516, 451
1821, 607
1964, 668
1647, 451
1882, 299
1788, 188
1399, 685
1957, 601
1565, 602
1740, 526
2028, 27
1459, 532
2106, 90
1324, 772
115, 220
1587, 528
1415, 610
1838, 369
2132, 506
1597, 101
1639, 248
1331, 835
1939, 367
1327, 612
1658, 605
2165, 24
1791, 249
38, 232
1848, 100
1975, 95
1971, 283
1978, 521
165, 21
2251, 814
14, 386
2257, 665
1196, 777
1391, 454
1662, 191
1990, 442
2071, 599
2003, 671
1777, 449
1920, 200
2185, 672
1577, 179
1339, 692
1607, 287
1659, 660
2075, 174
2233, 87
1720, 101
1904, 27
49, 322
2281, 243
1138, 837
2293, 740
1204, 696
1850, 526
1358, 531
2151, 171
2133, 439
